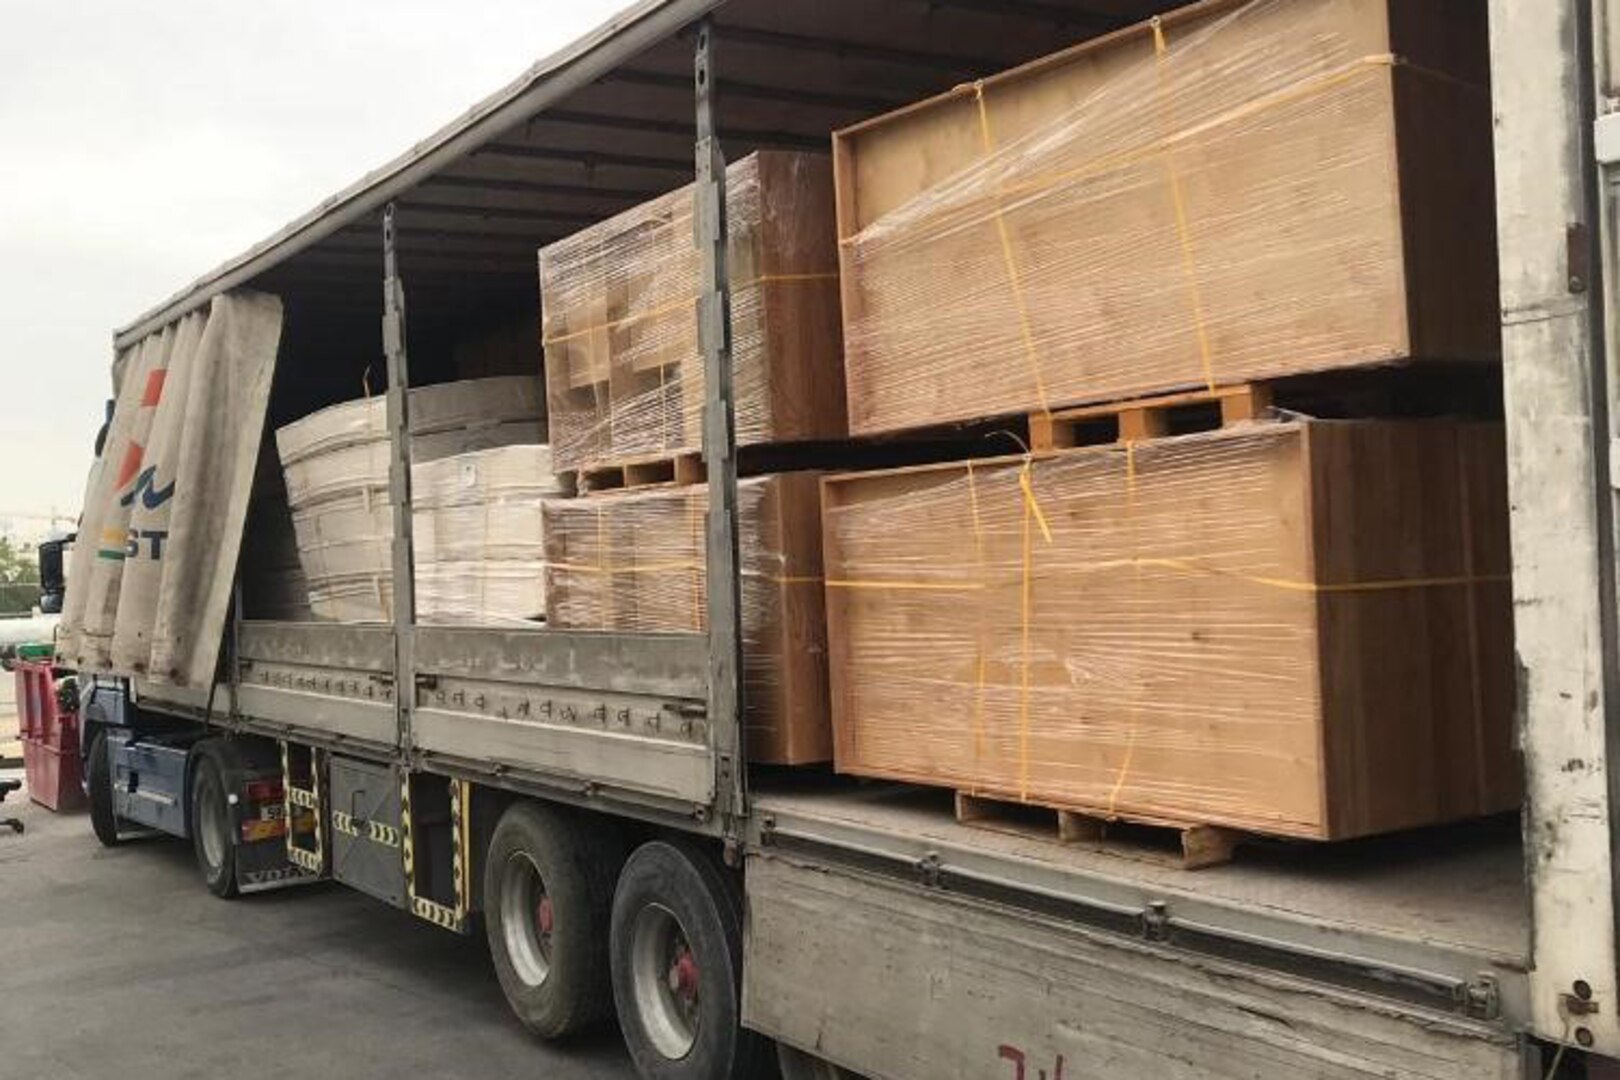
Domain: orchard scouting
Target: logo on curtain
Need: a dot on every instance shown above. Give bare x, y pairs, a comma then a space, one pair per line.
147, 491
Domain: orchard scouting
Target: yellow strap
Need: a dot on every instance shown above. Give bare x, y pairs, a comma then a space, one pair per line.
1189, 566
980, 660
1136, 600
790, 279
1032, 512
1178, 200
1032, 504
901, 586
1014, 278
687, 564
683, 303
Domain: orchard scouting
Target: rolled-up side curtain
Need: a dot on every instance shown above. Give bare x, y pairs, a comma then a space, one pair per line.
150, 579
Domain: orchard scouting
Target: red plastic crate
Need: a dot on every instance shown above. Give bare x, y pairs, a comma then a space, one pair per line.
53, 776
50, 740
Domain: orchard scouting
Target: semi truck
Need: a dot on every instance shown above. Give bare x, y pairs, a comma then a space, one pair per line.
585, 797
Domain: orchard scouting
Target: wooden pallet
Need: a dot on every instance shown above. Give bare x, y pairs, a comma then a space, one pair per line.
680, 470
1199, 845
1148, 418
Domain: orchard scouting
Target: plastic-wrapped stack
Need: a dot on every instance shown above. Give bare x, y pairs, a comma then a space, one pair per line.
1297, 628
634, 561
624, 370
335, 463
1236, 191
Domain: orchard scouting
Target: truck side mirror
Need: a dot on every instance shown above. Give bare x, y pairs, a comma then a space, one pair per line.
52, 576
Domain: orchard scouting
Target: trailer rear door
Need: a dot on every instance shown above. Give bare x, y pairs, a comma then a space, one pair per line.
166, 500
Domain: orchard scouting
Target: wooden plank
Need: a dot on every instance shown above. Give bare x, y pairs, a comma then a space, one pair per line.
1136, 419
1197, 846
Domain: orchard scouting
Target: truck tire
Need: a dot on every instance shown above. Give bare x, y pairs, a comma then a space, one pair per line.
677, 968
798, 1065
98, 778
212, 836
548, 895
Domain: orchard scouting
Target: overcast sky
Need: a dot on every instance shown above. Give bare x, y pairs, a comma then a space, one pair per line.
142, 144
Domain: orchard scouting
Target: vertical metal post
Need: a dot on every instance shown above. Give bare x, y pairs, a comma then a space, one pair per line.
719, 452
1560, 484
233, 670
399, 486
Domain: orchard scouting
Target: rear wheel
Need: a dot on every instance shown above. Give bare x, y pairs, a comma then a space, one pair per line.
212, 836
548, 893
677, 968
98, 777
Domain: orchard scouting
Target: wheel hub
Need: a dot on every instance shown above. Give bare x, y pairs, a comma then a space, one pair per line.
527, 919
683, 974
543, 916
666, 978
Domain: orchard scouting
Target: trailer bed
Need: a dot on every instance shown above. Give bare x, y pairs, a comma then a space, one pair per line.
1434, 921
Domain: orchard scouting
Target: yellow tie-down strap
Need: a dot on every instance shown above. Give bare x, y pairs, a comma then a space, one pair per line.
685, 303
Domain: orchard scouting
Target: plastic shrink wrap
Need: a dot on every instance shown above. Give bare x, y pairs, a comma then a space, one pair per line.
624, 371
1233, 192
1297, 628
634, 560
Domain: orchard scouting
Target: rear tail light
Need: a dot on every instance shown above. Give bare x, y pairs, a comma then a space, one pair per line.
262, 790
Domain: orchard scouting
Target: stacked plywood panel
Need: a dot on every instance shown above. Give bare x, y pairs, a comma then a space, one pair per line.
634, 560
1292, 627
476, 457
1295, 628
624, 370
1240, 190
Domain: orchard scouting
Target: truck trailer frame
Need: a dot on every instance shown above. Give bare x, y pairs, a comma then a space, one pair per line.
877, 935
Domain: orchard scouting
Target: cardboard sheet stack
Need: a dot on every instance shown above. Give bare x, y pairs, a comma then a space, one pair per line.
624, 370
479, 472
634, 560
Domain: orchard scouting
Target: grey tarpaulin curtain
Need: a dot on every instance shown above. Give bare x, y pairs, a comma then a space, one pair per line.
150, 579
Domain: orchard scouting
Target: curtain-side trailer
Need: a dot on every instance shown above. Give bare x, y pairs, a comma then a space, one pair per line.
587, 793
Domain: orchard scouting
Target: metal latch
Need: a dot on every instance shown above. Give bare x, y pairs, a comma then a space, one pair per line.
1482, 998
1156, 921
1606, 138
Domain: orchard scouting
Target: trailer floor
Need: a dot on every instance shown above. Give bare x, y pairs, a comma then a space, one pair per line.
1458, 886
119, 963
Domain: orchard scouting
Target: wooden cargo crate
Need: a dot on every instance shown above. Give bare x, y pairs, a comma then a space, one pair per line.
624, 370
1300, 629
1241, 191
633, 560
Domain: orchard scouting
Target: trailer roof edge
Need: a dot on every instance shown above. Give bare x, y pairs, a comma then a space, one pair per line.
580, 62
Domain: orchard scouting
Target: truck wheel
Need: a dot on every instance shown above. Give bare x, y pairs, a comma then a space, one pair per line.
212, 836
677, 968
98, 778
548, 893
798, 1065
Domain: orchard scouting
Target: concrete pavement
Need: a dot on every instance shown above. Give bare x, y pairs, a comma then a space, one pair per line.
117, 962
